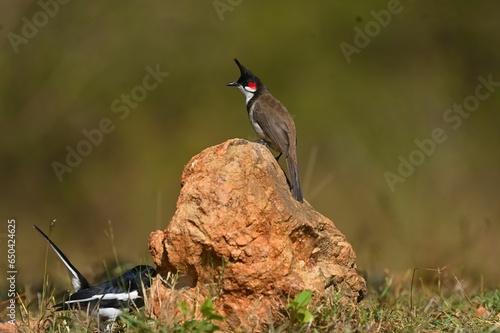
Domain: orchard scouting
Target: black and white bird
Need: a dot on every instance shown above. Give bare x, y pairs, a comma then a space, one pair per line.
109, 299
271, 121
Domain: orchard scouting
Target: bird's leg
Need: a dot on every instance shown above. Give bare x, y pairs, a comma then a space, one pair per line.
265, 143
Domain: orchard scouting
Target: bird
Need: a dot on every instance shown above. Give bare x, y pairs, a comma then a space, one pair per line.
109, 299
272, 123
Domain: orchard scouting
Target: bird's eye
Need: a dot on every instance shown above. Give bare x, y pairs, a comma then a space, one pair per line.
251, 86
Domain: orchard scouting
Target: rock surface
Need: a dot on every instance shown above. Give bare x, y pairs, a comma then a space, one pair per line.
8, 328
239, 236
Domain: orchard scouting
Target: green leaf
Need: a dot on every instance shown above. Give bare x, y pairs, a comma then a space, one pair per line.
207, 307
207, 310
304, 315
184, 308
303, 298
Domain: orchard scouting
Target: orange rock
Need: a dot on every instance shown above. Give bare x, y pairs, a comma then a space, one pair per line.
8, 328
239, 236
482, 312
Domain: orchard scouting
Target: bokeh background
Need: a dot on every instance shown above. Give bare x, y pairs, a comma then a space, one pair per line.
354, 119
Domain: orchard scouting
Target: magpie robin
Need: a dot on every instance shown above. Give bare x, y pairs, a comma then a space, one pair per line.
271, 121
109, 299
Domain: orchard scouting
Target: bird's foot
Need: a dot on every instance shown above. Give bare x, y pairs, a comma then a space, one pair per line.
268, 145
263, 142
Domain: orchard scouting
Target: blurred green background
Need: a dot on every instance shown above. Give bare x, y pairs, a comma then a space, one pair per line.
354, 120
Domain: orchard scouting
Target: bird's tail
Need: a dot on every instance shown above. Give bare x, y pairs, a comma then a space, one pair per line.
77, 279
293, 169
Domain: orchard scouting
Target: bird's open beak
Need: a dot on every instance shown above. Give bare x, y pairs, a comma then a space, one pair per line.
232, 84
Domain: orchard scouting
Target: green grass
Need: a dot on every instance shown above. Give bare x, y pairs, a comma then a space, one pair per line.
419, 301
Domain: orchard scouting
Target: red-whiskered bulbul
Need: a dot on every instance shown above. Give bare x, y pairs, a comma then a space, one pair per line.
271, 121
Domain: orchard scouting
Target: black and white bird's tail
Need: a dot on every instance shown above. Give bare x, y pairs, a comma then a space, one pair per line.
293, 169
78, 281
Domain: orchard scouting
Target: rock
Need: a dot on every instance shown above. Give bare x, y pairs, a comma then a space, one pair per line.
481, 312
8, 328
239, 236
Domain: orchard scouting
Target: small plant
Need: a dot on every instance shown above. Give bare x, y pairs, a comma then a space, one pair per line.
297, 308
200, 325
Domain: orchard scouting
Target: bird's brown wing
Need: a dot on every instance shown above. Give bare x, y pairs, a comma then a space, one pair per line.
276, 125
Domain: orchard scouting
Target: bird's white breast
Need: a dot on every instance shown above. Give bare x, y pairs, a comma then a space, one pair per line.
255, 125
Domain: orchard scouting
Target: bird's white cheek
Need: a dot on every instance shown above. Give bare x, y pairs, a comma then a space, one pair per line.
248, 94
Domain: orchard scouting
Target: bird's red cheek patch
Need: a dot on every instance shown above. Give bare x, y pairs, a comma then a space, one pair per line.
251, 86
